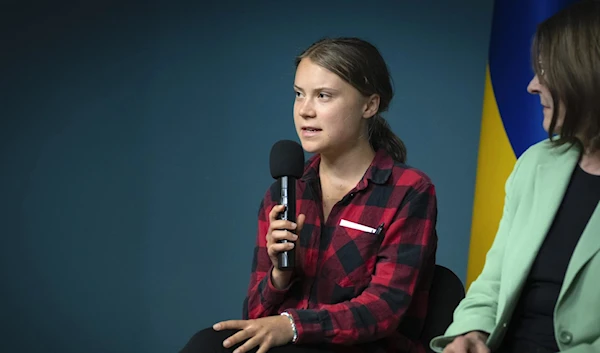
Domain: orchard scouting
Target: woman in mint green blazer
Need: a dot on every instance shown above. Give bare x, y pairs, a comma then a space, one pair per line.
539, 290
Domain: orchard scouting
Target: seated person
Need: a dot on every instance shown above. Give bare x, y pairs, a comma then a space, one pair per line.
539, 290
351, 290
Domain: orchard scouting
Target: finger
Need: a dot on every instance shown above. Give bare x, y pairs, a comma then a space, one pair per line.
458, 345
449, 349
282, 224
277, 248
278, 235
236, 338
251, 343
275, 211
264, 347
479, 347
230, 325
300, 223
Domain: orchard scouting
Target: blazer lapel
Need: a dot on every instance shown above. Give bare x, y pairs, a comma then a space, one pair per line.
552, 177
587, 247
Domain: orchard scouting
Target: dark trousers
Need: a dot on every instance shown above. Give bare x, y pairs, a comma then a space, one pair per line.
211, 341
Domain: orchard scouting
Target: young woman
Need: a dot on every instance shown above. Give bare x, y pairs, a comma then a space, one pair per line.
538, 291
352, 290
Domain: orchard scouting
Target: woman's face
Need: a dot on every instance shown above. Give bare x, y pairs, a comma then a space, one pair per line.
330, 115
537, 87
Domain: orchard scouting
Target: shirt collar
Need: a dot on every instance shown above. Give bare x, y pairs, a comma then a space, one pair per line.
378, 172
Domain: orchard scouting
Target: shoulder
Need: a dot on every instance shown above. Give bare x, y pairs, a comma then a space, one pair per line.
546, 150
527, 161
399, 182
406, 186
541, 153
404, 175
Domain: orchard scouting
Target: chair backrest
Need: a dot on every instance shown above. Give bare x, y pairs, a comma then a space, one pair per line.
445, 294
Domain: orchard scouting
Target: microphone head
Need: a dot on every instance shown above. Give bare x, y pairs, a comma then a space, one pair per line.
287, 159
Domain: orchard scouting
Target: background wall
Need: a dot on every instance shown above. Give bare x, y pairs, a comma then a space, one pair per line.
126, 131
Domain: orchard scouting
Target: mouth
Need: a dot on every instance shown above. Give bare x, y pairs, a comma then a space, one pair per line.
309, 132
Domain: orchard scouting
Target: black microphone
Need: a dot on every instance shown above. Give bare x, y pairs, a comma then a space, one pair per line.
287, 166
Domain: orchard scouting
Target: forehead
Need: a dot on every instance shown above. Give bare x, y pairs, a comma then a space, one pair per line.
309, 74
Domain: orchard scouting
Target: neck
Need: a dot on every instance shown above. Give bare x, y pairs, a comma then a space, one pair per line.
349, 165
590, 162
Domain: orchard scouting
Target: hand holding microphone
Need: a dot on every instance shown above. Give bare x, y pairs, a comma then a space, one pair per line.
287, 166
281, 237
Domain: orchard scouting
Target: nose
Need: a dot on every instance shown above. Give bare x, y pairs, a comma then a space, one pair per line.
534, 85
306, 109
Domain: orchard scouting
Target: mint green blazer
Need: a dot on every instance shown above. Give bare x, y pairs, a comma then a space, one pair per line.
534, 191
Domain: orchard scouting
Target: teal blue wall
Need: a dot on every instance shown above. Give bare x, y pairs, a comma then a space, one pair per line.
126, 130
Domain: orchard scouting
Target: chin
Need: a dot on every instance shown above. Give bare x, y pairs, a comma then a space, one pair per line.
307, 146
546, 126
315, 148
546, 122
310, 147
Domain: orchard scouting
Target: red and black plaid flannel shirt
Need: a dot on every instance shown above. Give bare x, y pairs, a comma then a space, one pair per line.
353, 288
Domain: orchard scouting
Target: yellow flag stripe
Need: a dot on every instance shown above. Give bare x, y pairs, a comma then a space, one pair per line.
495, 162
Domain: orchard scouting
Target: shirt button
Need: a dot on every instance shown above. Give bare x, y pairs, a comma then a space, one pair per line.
565, 337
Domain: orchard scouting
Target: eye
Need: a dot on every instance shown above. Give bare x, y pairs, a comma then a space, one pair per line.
324, 95
298, 94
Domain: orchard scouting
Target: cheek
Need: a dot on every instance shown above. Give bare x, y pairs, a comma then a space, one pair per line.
346, 117
296, 114
341, 119
343, 125
561, 112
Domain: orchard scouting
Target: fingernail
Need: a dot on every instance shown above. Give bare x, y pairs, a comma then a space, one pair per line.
216, 327
291, 245
226, 344
295, 237
294, 225
236, 351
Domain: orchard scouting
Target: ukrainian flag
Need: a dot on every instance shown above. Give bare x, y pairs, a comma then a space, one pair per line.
511, 118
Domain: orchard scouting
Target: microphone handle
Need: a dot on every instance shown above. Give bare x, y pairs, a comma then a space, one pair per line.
287, 259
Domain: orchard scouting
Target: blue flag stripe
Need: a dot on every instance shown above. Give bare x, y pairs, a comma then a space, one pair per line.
513, 27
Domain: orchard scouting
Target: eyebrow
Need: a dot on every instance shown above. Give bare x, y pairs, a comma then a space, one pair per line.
320, 88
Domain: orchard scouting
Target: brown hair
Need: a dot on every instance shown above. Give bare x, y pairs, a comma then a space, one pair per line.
361, 65
566, 58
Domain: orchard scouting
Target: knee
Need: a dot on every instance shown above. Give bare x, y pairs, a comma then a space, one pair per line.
206, 340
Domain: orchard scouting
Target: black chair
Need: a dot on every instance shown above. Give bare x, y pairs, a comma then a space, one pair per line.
444, 296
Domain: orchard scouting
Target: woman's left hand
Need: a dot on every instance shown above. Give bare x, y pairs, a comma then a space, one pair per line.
267, 332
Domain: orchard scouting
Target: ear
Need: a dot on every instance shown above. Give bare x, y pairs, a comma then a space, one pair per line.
371, 106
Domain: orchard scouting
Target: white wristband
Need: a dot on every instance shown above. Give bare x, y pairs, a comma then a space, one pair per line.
295, 338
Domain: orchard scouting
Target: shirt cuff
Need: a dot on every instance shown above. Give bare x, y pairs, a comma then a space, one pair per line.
309, 330
271, 294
